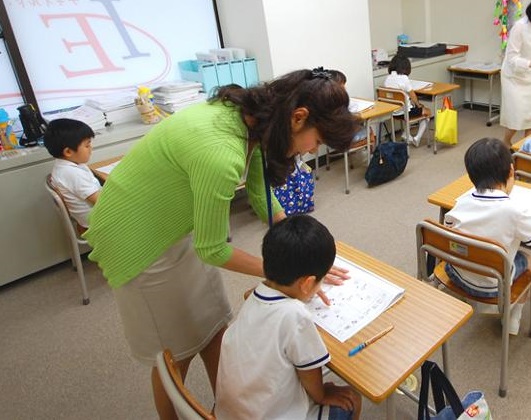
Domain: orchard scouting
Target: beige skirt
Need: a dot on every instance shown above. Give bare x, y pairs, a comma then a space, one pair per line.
178, 303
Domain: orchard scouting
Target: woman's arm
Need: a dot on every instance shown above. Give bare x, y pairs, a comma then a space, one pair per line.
242, 262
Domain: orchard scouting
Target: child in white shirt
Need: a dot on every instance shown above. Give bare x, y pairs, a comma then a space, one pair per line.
70, 143
272, 355
399, 70
490, 212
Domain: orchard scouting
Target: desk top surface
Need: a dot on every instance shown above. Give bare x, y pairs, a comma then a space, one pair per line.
423, 320
100, 164
380, 108
437, 88
446, 196
456, 69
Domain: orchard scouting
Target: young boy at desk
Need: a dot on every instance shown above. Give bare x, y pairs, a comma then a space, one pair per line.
490, 212
399, 70
70, 143
271, 356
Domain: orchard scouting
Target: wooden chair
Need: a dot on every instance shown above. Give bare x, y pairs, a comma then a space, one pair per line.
522, 165
186, 406
479, 255
399, 97
72, 232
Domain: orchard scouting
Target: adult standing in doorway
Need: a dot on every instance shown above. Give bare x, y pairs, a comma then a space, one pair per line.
160, 226
516, 80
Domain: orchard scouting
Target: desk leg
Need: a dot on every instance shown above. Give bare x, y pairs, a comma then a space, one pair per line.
446, 364
368, 134
471, 94
434, 107
391, 406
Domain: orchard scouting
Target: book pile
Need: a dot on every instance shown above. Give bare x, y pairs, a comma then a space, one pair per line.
89, 115
173, 96
117, 108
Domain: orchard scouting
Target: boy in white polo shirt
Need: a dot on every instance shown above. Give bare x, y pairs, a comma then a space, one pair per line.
70, 143
490, 212
272, 355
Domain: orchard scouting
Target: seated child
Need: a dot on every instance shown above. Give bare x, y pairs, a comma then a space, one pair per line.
489, 212
399, 70
271, 356
70, 143
526, 147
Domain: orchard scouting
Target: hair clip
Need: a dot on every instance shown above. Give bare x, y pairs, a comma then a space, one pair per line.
321, 73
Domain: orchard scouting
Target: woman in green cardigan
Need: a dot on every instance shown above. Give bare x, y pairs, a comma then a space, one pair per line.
159, 228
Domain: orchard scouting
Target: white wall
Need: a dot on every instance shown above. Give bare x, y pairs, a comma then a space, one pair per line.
467, 22
386, 23
294, 34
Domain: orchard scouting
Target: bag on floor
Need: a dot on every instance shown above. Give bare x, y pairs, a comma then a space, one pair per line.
296, 196
388, 161
446, 123
447, 404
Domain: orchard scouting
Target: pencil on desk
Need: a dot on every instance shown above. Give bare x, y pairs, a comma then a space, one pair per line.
371, 340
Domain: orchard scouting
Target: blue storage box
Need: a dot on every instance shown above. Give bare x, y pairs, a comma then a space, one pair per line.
199, 71
237, 73
224, 74
251, 71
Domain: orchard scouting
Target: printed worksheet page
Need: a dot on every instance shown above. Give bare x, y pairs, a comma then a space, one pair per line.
354, 304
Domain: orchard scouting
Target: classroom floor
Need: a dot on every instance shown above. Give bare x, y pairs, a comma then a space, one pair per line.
59, 359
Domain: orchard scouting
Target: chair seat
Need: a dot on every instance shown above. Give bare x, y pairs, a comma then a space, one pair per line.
518, 288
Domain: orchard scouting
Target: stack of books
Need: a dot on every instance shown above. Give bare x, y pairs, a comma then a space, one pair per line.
172, 96
117, 108
89, 115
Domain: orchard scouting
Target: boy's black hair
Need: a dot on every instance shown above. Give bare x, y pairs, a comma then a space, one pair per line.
488, 163
401, 64
295, 247
63, 133
528, 11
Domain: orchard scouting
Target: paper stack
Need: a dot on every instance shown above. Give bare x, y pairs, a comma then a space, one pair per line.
89, 115
172, 96
117, 108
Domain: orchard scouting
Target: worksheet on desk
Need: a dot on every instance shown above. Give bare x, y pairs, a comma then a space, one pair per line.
108, 168
355, 303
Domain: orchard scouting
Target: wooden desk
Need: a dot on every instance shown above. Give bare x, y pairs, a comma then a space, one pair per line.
380, 110
434, 91
481, 75
424, 319
446, 196
102, 176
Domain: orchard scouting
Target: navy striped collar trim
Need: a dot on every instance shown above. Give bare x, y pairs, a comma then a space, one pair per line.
267, 294
490, 195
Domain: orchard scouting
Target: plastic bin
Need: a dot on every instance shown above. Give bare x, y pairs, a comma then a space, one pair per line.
202, 72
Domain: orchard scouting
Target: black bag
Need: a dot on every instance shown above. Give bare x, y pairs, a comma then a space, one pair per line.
388, 161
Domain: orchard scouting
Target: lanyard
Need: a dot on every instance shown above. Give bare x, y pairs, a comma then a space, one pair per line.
267, 189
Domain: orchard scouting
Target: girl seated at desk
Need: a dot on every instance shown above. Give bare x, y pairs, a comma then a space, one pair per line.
399, 70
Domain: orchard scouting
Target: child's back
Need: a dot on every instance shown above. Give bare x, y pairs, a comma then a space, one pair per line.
489, 211
271, 337
271, 356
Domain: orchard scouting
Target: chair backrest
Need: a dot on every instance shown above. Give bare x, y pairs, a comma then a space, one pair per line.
186, 406
68, 223
473, 253
522, 164
394, 96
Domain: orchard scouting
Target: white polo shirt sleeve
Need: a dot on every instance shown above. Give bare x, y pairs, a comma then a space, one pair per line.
305, 348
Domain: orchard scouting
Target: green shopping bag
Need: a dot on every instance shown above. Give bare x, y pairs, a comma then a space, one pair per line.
446, 123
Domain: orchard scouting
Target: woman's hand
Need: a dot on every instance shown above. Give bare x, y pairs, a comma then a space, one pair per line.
336, 276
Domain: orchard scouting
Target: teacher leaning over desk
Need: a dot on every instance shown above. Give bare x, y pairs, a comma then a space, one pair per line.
516, 80
160, 226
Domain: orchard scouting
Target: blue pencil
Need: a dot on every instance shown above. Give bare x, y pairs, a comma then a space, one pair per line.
371, 340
